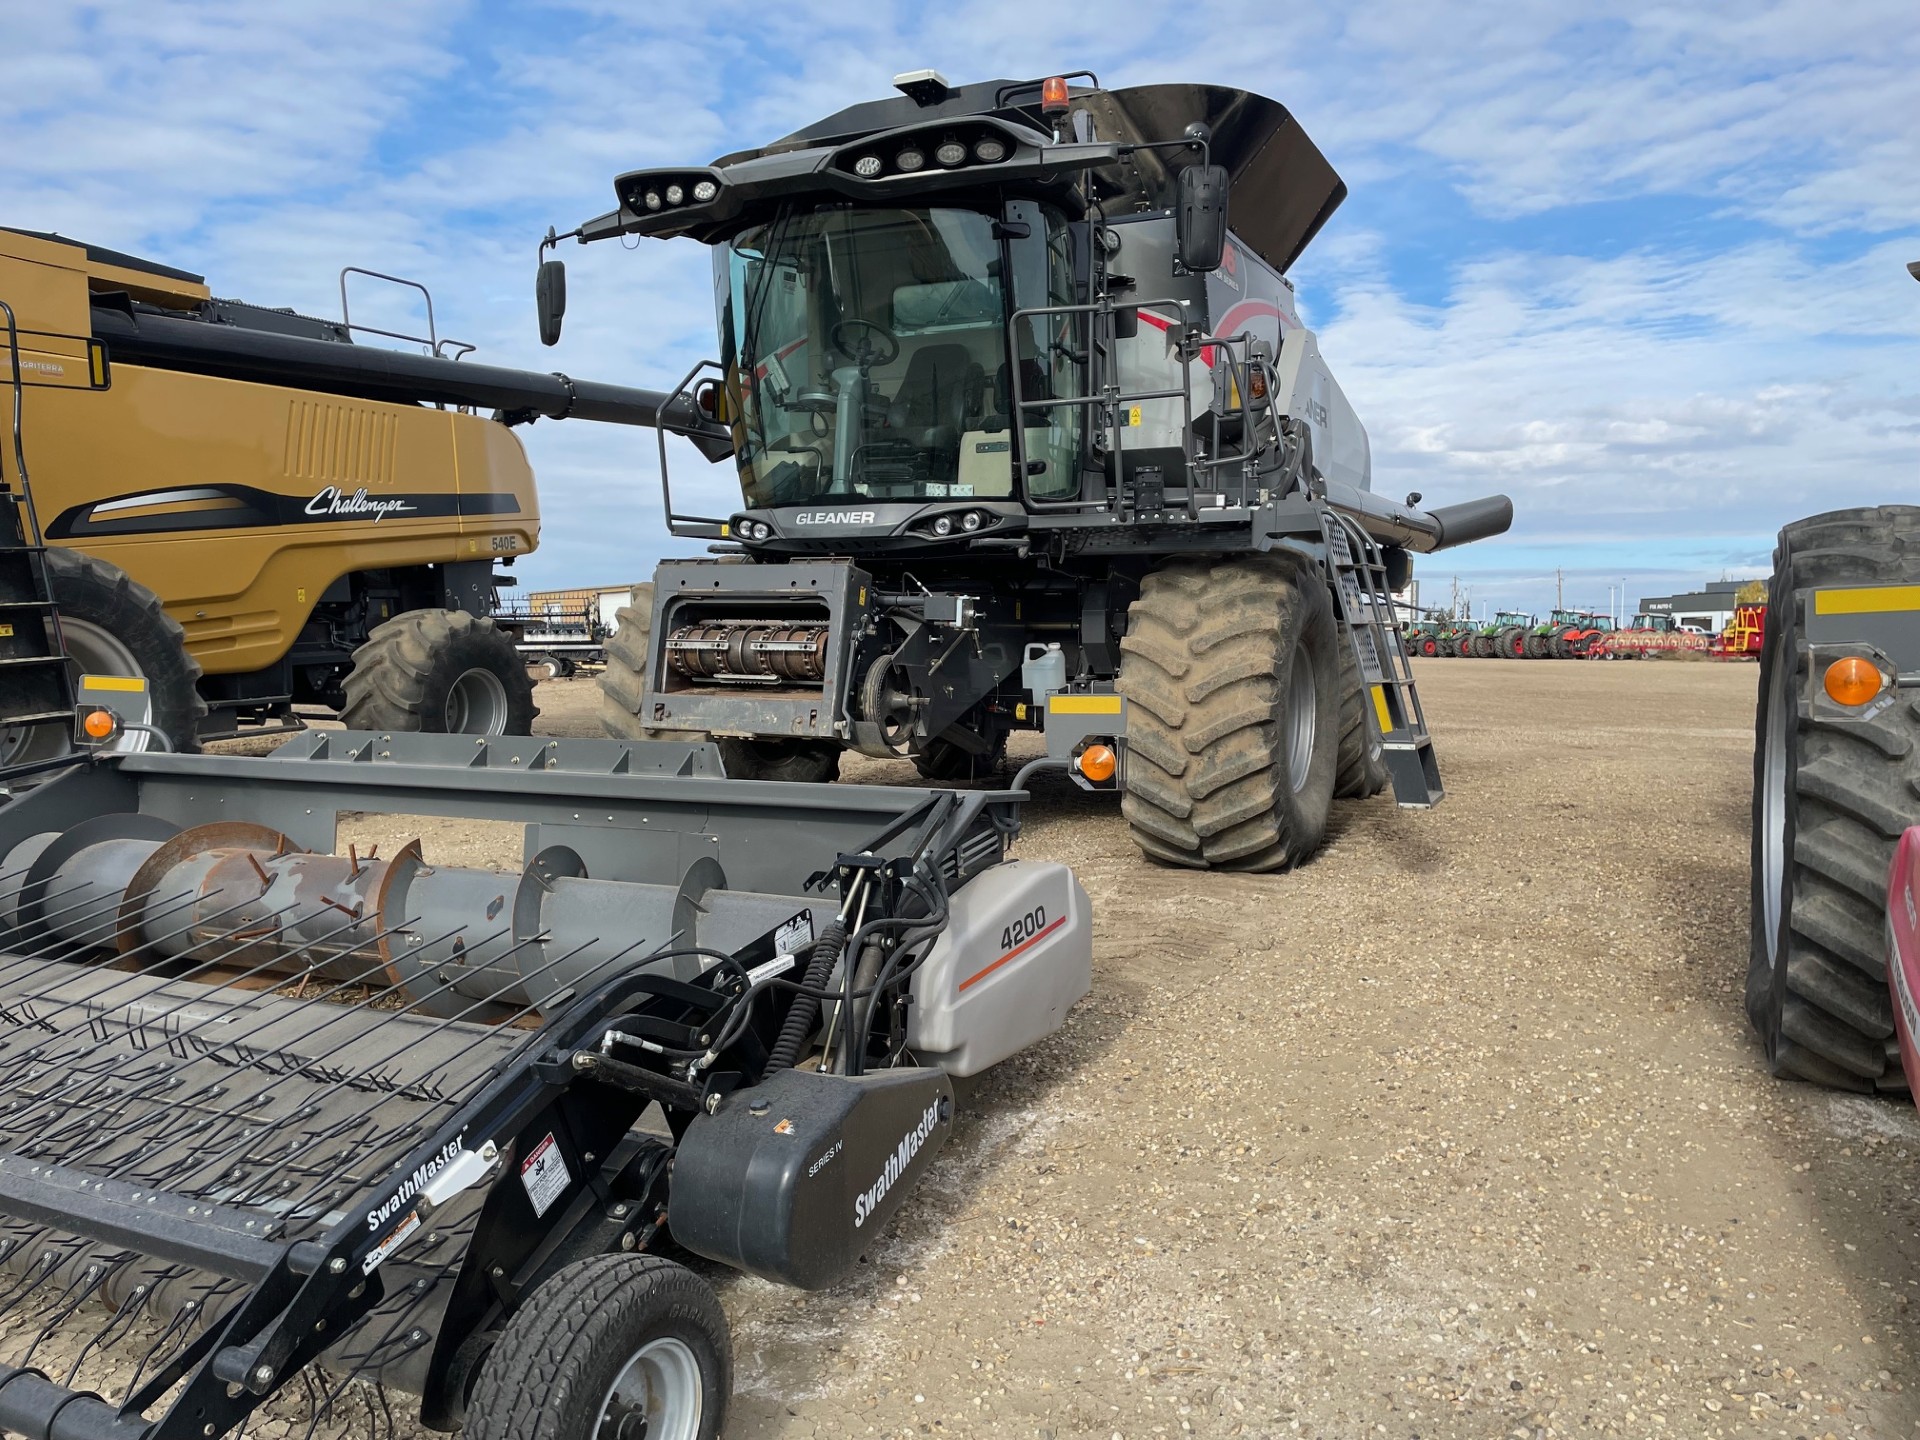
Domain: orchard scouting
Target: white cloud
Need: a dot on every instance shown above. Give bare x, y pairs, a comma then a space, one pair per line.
1659, 389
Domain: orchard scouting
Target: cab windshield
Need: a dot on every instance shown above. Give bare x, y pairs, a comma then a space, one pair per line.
866, 353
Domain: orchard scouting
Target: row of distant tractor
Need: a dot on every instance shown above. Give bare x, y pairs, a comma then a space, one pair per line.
1563, 635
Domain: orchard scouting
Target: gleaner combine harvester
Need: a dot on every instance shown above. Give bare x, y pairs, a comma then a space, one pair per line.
1027, 438
273, 1115
249, 511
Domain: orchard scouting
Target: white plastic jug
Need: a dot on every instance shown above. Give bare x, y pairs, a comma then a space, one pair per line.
1043, 671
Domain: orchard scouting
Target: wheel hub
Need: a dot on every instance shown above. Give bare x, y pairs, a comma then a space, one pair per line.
1773, 805
656, 1397
476, 704
1300, 720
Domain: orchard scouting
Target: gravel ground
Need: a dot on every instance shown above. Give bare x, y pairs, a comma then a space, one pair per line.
1457, 1132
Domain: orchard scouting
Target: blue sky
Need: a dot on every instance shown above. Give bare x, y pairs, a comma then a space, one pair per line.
1639, 266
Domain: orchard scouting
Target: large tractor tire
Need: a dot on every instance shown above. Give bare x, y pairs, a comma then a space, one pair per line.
1831, 797
623, 691
111, 624
1513, 643
443, 672
1361, 769
1231, 672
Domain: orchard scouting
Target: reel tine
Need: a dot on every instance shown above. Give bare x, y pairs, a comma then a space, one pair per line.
177, 1039
27, 1280
337, 1015
122, 1321
78, 1291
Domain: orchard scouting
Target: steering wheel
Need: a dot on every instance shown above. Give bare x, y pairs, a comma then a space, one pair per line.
865, 343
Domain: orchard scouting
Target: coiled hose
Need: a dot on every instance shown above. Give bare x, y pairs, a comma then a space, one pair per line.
798, 1025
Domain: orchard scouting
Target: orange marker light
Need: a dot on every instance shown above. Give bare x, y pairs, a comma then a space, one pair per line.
1053, 96
1096, 763
98, 724
1853, 681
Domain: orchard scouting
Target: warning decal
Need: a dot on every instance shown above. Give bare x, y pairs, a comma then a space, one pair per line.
544, 1173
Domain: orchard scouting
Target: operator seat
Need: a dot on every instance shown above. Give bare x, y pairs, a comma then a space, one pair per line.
940, 398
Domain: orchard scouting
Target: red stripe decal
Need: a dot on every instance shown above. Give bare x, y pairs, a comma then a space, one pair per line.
980, 975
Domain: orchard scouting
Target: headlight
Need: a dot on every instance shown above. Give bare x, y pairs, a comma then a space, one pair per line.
867, 166
675, 194
761, 530
971, 520
910, 160
990, 150
705, 191
653, 199
951, 153
943, 526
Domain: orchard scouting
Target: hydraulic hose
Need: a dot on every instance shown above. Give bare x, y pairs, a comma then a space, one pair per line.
798, 1025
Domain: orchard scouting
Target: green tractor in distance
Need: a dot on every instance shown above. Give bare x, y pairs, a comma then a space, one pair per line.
1493, 638
1423, 636
1511, 628
1540, 639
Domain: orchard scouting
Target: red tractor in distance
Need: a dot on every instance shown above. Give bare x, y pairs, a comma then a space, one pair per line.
1573, 636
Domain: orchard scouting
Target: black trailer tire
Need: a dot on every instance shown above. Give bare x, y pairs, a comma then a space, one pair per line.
1361, 770
1231, 672
443, 672
625, 1331
113, 624
623, 693
810, 762
946, 763
1831, 797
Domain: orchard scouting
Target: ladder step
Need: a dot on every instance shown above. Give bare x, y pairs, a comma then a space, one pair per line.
27, 662
38, 717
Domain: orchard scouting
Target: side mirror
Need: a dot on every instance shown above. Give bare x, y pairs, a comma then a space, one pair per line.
1200, 217
1126, 321
550, 299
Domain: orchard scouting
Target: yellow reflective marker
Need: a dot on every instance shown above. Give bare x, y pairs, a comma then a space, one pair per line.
1380, 708
1866, 600
1083, 704
132, 684
6, 632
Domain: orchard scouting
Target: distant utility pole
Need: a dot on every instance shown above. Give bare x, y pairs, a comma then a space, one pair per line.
1559, 589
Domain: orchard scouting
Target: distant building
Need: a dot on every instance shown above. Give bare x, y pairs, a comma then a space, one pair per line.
1710, 607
